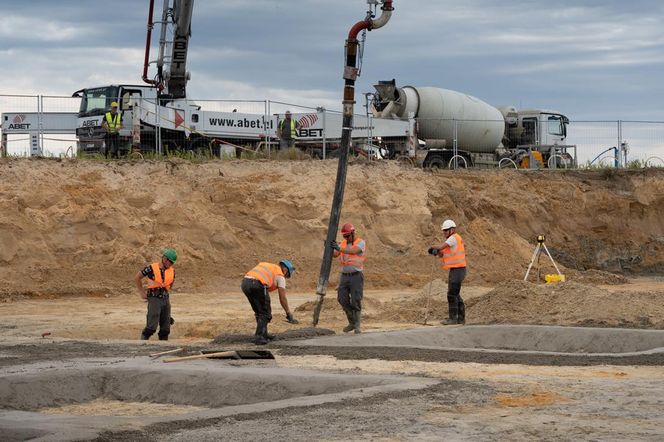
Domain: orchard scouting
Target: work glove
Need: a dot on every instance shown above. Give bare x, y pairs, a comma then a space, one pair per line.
433, 251
291, 319
334, 245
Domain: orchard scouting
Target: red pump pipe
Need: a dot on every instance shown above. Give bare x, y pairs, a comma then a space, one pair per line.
350, 75
147, 49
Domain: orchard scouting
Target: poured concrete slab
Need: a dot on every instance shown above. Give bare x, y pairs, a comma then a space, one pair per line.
224, 390
506, 338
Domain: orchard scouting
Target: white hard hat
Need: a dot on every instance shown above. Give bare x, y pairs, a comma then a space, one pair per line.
447, 224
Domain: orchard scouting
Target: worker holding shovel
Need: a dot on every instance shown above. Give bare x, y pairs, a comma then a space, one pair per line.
452, 255
160, 280
257, 285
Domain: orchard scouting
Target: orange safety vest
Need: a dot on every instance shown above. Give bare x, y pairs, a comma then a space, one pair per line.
453, 258
156, 283
348, 260
267, 274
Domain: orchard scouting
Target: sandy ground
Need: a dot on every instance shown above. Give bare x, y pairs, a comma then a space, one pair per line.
206, 316
475, 399
74, 232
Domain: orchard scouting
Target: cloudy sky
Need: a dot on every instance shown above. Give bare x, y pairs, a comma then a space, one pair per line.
592, 60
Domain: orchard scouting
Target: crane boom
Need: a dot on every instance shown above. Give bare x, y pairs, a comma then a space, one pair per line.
172, 75
177, 77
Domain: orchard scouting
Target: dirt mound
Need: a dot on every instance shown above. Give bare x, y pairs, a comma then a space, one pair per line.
518, 302
569, 303
594, 276
79, 227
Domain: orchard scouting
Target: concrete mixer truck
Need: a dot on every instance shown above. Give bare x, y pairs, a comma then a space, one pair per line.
461, 130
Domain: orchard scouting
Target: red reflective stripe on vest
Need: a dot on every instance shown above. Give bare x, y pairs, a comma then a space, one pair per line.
156, 283
267, 274
453, 258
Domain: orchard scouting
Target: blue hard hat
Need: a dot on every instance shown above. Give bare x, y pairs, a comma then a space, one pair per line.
289, 266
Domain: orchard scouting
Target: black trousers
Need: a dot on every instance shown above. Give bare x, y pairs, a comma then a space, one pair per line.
455, 304
159, 315
258, 297
112, 145
350, 291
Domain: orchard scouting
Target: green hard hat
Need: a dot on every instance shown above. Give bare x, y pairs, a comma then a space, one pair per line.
171, 255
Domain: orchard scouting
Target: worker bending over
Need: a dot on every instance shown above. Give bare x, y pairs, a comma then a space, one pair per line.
160, 280
257, 285
352, 253
452, 254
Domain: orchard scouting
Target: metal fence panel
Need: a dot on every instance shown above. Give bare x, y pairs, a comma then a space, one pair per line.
230, 127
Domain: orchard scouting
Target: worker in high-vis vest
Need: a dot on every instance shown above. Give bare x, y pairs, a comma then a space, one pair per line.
160, 278
257, 285
287, 131
112, 123
351, 252
452, 255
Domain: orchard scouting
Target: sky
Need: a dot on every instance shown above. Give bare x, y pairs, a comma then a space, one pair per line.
591, 60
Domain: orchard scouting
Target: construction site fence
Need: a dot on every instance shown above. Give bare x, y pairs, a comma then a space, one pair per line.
594, 143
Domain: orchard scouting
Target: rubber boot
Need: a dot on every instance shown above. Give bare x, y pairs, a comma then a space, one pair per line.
462, 313
261, 330
452, 313
357, 319
351, 321
146, 333
268, 336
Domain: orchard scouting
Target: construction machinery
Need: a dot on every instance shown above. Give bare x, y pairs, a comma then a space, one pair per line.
351, 72
460, 128
158, 116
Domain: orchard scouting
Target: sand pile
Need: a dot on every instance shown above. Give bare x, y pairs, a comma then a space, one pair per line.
569, 303
71, 227
516, 302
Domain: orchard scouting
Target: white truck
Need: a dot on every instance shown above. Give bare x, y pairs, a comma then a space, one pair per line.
464, 130
158, 116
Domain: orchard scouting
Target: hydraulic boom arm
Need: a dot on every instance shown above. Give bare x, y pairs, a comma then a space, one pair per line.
172, 75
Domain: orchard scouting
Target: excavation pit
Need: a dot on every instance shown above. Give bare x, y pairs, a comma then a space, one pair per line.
51, 399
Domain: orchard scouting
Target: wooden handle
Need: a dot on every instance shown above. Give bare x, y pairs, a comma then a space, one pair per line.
208, 355
154, 355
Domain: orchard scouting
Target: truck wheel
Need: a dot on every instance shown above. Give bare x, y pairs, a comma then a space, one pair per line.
436, 163
406, 161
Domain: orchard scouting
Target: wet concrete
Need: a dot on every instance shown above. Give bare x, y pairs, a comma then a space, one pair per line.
494, 344
507, 338
226, 390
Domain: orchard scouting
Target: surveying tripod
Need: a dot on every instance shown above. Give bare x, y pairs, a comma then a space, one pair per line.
536, 255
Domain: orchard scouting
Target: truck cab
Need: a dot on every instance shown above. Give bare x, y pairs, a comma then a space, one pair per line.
95, 102
535, 127
537, 138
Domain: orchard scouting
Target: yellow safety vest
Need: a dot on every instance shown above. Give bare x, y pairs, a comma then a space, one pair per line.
113, 121
292, 127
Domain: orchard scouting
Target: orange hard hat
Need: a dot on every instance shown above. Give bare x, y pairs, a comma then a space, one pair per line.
347, 229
